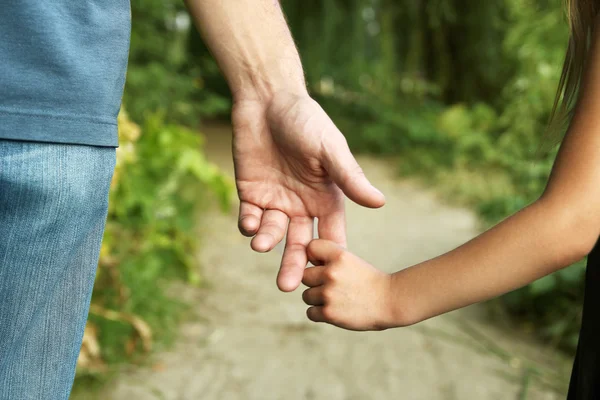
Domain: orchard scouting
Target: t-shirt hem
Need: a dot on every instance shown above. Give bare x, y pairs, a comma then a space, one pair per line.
54, 129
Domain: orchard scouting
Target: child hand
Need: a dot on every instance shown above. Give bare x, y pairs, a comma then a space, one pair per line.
346, 291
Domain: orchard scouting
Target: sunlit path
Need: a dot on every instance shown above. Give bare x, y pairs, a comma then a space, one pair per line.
248, 341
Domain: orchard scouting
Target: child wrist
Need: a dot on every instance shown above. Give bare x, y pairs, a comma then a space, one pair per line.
402, 311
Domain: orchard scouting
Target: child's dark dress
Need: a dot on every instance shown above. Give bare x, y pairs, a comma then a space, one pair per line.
585, 379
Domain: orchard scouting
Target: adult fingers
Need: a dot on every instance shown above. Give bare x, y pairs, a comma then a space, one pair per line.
347, 174
293, 262
249, 219
332, 226
271, 231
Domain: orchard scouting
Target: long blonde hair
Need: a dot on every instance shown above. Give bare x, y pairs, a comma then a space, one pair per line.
581, 15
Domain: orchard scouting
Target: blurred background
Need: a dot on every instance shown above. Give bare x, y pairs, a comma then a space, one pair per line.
446, 103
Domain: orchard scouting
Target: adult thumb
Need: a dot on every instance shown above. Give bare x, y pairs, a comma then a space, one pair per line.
344, 170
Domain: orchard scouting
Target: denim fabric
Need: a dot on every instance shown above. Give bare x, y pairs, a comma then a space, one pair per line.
53, 206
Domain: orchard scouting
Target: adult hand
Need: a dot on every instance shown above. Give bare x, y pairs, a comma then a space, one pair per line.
291, 165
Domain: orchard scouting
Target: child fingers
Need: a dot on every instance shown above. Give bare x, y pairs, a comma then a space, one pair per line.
313, 276
323, 251
313, 296
315, 314
311, 259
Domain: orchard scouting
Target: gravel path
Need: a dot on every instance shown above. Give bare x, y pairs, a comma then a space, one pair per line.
247, 341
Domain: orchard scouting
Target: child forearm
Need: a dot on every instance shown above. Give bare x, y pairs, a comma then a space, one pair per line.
560, 228
535, 242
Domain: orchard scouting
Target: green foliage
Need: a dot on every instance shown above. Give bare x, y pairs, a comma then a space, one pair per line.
163, 74
161, 183
563, 291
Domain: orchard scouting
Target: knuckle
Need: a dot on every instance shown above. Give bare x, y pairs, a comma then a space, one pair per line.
273, 226
295, 247
343, 256
331, 273
328, 313
328, 295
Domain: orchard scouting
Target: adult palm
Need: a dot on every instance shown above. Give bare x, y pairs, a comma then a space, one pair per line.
291, 165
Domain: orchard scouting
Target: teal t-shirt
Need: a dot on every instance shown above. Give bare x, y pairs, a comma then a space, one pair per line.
62, 69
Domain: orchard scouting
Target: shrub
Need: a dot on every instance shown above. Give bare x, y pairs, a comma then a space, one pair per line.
161, 182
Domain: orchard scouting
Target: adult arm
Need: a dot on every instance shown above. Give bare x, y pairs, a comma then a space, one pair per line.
291, 162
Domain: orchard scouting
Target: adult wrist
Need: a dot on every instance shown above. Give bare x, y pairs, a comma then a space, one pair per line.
263, 87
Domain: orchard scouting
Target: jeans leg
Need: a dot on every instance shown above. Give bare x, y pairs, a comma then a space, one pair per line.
53, 206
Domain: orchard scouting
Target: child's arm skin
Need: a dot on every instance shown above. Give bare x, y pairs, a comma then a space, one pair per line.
558, 229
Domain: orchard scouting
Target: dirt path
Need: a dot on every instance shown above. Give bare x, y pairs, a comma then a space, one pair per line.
248, 341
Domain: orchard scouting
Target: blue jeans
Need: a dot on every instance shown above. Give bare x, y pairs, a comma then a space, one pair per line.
53, 205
